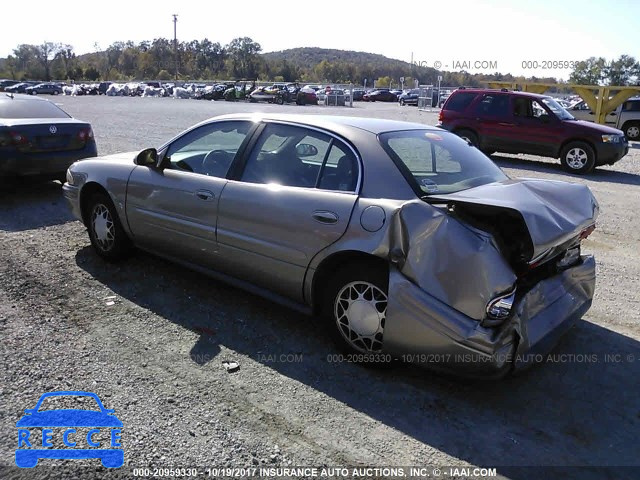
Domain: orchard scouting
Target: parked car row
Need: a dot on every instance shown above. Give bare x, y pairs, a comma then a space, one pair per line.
378, 207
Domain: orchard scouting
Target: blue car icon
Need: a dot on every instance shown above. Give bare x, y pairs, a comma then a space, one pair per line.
69, 419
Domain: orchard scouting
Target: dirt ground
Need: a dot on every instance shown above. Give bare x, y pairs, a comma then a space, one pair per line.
149, 338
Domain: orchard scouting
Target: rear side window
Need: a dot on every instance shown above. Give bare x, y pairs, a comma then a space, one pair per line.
493, 105
299, 157
631, 106
458, 102
18, 108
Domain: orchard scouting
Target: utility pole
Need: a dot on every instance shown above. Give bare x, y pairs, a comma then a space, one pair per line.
175, 43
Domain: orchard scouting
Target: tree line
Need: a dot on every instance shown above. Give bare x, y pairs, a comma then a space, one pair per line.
242, 58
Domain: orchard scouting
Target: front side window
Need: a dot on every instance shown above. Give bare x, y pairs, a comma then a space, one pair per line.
439, 162
207, 150
557, 109
300, 157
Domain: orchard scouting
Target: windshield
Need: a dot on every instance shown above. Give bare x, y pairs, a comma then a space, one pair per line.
439, 162
557, 109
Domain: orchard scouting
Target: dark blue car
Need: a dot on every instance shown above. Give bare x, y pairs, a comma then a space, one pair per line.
48, 88
410, 97
37, 138
69, 419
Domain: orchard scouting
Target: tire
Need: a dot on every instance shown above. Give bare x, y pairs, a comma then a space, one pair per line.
469, 136
55, 92
280, 100
356, 325
578, 158
108, 238
402, 104
632, 131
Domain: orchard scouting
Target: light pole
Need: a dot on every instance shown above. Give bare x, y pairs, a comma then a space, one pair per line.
175, 43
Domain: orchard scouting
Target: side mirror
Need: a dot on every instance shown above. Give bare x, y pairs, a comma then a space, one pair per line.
306, 150
147, 157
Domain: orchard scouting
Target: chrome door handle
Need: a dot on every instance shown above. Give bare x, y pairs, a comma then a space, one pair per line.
204, 194
324, 216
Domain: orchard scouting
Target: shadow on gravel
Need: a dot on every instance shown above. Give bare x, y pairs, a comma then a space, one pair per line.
579, 408
27, 205
598, 175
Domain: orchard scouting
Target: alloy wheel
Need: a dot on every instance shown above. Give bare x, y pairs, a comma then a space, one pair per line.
577, 158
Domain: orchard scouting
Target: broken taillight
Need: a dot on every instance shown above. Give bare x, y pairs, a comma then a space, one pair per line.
499, 309
587, 231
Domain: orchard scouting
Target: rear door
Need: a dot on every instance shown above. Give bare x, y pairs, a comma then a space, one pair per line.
293, 197
173, 210
493, 120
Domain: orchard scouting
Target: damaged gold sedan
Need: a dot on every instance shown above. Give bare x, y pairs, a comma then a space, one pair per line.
409, 242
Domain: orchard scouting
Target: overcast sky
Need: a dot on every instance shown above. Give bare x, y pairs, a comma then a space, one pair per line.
462, 34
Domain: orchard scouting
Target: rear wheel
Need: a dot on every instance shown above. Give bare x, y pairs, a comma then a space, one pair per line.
107, 236
469, 136
354, 308
578, 157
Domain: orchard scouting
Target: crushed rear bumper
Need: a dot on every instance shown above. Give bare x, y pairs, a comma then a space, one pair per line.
423, 330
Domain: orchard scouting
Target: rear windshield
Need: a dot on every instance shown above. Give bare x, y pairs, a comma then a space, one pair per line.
458, 101
18, 108
435, 162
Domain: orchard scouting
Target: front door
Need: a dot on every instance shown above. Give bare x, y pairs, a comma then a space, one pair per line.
293, 198
173, 210
537, 131
494, 124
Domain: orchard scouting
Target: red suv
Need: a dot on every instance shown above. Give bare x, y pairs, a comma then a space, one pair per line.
520, 122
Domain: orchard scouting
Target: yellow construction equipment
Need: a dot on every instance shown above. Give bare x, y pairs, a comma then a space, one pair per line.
599, 98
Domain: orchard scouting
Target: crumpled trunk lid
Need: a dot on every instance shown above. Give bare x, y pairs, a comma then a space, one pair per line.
552, 213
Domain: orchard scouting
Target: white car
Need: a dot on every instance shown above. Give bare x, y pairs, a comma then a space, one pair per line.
582, 111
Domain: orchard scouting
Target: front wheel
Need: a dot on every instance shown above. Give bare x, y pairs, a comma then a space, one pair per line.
107, 236
578, 157
355, 307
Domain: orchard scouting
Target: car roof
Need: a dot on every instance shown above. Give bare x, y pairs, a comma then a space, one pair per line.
372, 125
495, 90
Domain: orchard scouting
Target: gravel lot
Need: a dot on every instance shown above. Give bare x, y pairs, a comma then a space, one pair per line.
155, 355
